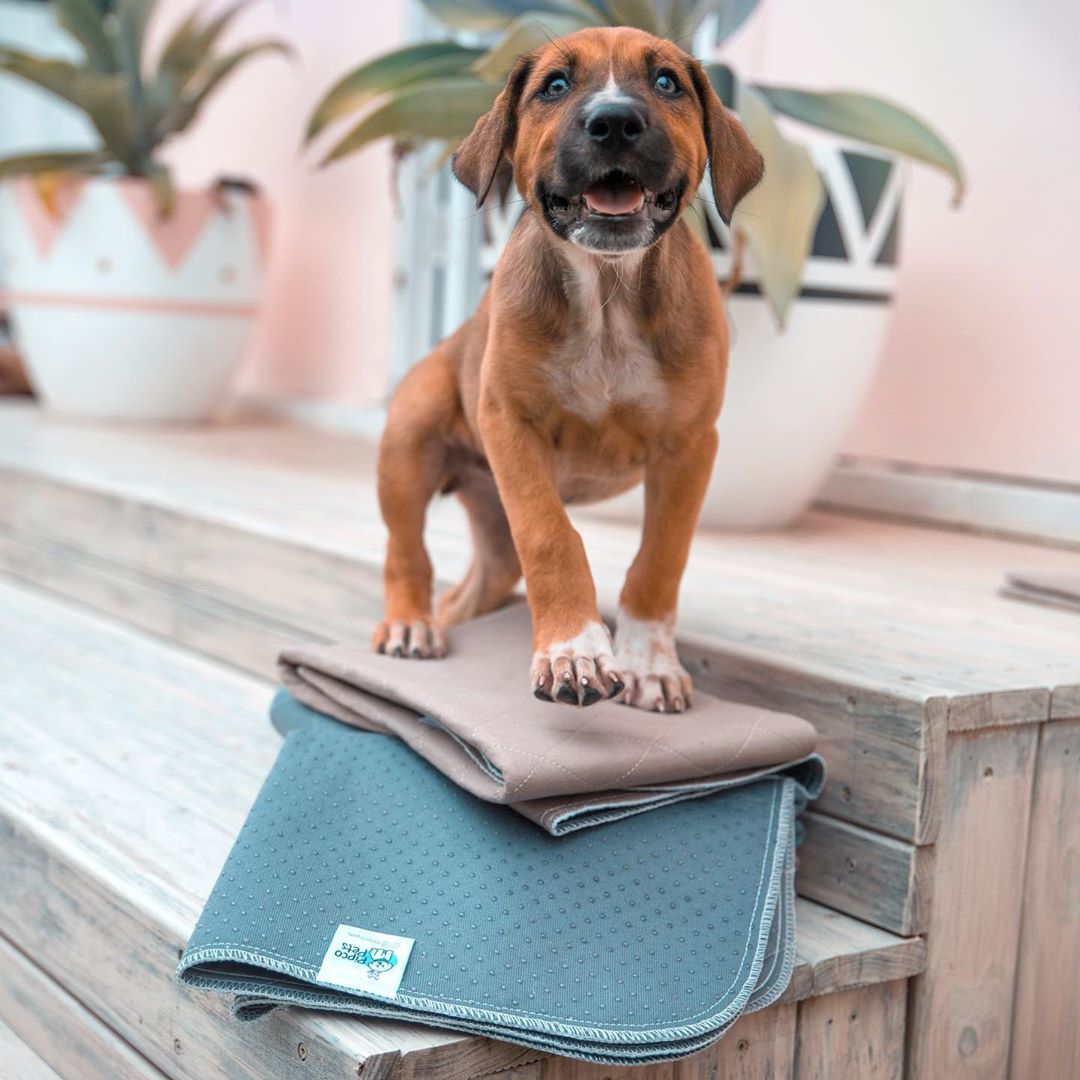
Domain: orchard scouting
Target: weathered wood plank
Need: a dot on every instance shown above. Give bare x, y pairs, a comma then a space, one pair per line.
760, 1046
60, 1029
961, 1007
195, 620
858, 1033
19, 1060
530, 1071
559, 1068
835, 952
1046, 1034
970, 712
877, 744
872, 877
1065, 703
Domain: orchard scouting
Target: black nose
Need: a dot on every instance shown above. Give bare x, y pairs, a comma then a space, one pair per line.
614, 124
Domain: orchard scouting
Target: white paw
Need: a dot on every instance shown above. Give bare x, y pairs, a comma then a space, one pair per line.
645, 654
580, 671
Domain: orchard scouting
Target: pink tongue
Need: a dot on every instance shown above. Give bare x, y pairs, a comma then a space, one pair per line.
614, 198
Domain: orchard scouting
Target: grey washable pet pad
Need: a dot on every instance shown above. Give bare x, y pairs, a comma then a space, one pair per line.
563, 767
639, 941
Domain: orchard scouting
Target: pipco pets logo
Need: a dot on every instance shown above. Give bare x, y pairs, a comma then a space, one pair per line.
377, 961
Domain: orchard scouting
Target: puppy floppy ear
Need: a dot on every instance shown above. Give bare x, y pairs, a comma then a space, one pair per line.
734, 163
479, 157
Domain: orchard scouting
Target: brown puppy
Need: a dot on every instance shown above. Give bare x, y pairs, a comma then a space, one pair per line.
596, 359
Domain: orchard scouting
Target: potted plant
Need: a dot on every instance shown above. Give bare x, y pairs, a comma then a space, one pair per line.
821, 229
130, 298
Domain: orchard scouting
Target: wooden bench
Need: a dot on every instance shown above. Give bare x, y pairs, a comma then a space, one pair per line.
950, 718
128, 768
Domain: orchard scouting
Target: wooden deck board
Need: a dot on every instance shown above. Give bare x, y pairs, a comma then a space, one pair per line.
60, 1030
129, 766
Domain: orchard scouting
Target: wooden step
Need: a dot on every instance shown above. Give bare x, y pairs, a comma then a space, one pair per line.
238, 539
61, 1031
129, 766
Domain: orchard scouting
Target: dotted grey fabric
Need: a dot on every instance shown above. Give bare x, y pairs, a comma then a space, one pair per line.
638, 941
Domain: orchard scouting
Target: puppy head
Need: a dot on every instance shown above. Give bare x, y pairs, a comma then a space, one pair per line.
608, 132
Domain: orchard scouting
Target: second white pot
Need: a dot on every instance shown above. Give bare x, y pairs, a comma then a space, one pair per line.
121, 314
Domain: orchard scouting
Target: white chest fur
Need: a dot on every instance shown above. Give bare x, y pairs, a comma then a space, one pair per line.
605, 361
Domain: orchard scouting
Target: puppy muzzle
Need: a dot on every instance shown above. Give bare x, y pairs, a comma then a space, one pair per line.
613, 187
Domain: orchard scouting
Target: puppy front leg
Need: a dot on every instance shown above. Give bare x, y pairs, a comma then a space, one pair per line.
675, 484
573, 659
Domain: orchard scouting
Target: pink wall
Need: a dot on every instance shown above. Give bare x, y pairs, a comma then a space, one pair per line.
981, 370
326, 331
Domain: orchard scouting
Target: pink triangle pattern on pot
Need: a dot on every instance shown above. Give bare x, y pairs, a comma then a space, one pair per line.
173, 236
46, 225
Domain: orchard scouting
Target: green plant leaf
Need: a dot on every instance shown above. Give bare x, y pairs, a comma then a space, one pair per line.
724, 81
780, 215
525, 33
487, 15
440, 109
108, 104
191, 43
391, 71
103, 97
208, 78
59, 77
84, 20
731, 14
77, 161
160, 180
872, 120
644, 14
129, 30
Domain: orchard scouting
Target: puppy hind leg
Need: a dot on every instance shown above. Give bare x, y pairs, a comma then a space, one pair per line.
494, 570
413, 465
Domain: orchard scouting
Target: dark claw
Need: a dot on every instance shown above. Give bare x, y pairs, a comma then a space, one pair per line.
590, 695
617, 688
542, 694
397, 651
566, 694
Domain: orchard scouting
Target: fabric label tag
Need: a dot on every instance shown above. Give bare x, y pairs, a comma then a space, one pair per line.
365, 960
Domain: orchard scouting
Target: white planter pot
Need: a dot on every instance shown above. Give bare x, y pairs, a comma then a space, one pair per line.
121, 315
791, 396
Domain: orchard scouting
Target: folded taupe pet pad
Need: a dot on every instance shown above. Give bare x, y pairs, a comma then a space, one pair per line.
365, 881
1057, 590
472, 716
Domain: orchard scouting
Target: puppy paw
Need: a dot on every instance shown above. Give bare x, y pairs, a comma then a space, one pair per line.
580, 671
417, 639
645, 653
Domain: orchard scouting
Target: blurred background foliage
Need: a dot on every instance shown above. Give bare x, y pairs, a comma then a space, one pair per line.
435, 90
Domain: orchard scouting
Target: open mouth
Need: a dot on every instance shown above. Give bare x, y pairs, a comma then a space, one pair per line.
614, 197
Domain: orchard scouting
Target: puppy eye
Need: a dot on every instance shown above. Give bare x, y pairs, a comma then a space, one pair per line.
555, 86
666, 82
